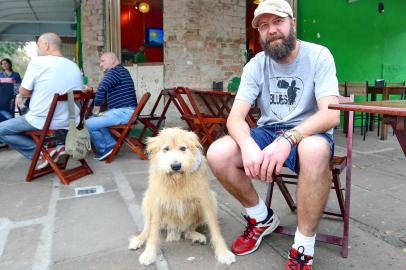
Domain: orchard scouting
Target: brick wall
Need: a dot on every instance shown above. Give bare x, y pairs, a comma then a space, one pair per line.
92, 39
204, 41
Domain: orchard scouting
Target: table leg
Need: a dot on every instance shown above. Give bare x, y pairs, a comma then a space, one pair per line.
399, 126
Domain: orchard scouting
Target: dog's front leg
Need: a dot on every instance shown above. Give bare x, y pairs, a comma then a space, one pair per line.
149, 255
136, 241
221, 251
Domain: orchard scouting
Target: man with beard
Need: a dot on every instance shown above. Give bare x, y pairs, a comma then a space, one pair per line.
297, 133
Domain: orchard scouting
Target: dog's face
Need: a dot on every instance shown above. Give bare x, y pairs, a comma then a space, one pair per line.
175, 152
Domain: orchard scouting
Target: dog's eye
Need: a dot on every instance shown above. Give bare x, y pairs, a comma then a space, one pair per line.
165, 149
182, 148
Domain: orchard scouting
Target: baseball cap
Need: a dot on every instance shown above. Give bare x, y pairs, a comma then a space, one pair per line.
279, 8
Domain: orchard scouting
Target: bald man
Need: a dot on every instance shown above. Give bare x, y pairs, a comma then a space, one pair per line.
47, 74
117, 89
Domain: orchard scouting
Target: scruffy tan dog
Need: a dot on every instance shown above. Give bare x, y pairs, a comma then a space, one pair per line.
178, 197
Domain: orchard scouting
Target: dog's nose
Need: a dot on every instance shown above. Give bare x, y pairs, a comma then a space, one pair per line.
176, 166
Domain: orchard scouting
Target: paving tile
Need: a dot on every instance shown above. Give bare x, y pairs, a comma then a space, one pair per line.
90, 224
24, 200
117, 259
20, 249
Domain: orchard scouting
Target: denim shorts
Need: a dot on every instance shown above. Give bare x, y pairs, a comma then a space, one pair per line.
265, 135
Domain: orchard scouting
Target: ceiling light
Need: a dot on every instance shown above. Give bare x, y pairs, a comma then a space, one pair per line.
143, 7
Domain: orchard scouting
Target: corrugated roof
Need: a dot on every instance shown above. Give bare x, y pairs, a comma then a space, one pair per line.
23, 20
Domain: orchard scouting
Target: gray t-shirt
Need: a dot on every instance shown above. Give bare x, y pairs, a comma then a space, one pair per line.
287, 93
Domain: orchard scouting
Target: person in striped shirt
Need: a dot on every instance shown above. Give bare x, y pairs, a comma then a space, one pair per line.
117, 89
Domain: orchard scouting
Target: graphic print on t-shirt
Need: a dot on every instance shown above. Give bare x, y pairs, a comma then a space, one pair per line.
284, 93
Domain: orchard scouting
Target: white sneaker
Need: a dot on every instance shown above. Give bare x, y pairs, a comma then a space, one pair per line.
42, 162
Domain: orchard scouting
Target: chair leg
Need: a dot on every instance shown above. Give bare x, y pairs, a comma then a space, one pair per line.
362, 124
286, 194
365, 127
116, 148
269, 194
339, 192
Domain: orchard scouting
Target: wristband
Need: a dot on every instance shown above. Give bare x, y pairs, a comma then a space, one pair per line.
296, 135
288, 138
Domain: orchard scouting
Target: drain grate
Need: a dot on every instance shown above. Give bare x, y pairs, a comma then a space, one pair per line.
88, 191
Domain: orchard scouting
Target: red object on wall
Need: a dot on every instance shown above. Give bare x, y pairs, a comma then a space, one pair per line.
133, 24
252, 33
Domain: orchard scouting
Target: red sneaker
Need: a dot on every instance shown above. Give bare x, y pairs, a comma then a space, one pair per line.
252, 236
298, 261
60, 154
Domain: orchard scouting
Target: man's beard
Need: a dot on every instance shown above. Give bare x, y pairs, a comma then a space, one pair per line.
282, 50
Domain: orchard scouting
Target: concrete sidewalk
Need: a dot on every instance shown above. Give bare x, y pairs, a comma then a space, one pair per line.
44, 226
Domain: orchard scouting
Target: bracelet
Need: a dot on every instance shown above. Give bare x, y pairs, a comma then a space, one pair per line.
288, 138
296, 134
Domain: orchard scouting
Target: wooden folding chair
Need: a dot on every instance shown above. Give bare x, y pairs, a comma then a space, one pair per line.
121, 132
44, 136
202, 124
153, 121
337, 165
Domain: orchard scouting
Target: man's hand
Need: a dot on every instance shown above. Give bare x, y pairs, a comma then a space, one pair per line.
274, 156
19, 101
252, 158
87, 89
96, 110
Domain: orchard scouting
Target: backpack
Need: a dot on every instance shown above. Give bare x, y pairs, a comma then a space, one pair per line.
77, 143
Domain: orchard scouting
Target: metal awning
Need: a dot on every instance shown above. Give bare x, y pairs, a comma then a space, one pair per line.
23, 20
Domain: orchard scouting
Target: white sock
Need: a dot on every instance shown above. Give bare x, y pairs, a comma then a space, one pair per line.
259, 211
305, 241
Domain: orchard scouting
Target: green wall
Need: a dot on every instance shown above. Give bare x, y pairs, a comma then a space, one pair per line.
366, 44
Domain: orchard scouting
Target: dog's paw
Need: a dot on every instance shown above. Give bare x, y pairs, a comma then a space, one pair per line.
225, 257
135, 243
196, 237
146, 258
173, 236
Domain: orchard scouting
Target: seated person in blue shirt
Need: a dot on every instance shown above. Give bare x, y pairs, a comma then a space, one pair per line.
117, 89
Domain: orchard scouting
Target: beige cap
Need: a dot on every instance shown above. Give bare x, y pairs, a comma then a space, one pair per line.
279, 8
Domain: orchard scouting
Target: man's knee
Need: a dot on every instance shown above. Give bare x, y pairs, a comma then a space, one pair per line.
314, 151
222, 150
92, 123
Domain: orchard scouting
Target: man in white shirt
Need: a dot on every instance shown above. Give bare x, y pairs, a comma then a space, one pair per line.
46, 75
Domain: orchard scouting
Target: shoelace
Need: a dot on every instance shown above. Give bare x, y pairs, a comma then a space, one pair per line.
300, 260
249, 229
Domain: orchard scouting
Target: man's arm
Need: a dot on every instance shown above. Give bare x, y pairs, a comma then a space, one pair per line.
22, 93
323, 120
239, 130
109, 81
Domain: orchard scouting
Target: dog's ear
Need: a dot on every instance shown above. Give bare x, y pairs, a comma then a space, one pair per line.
152, 145
194, 140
